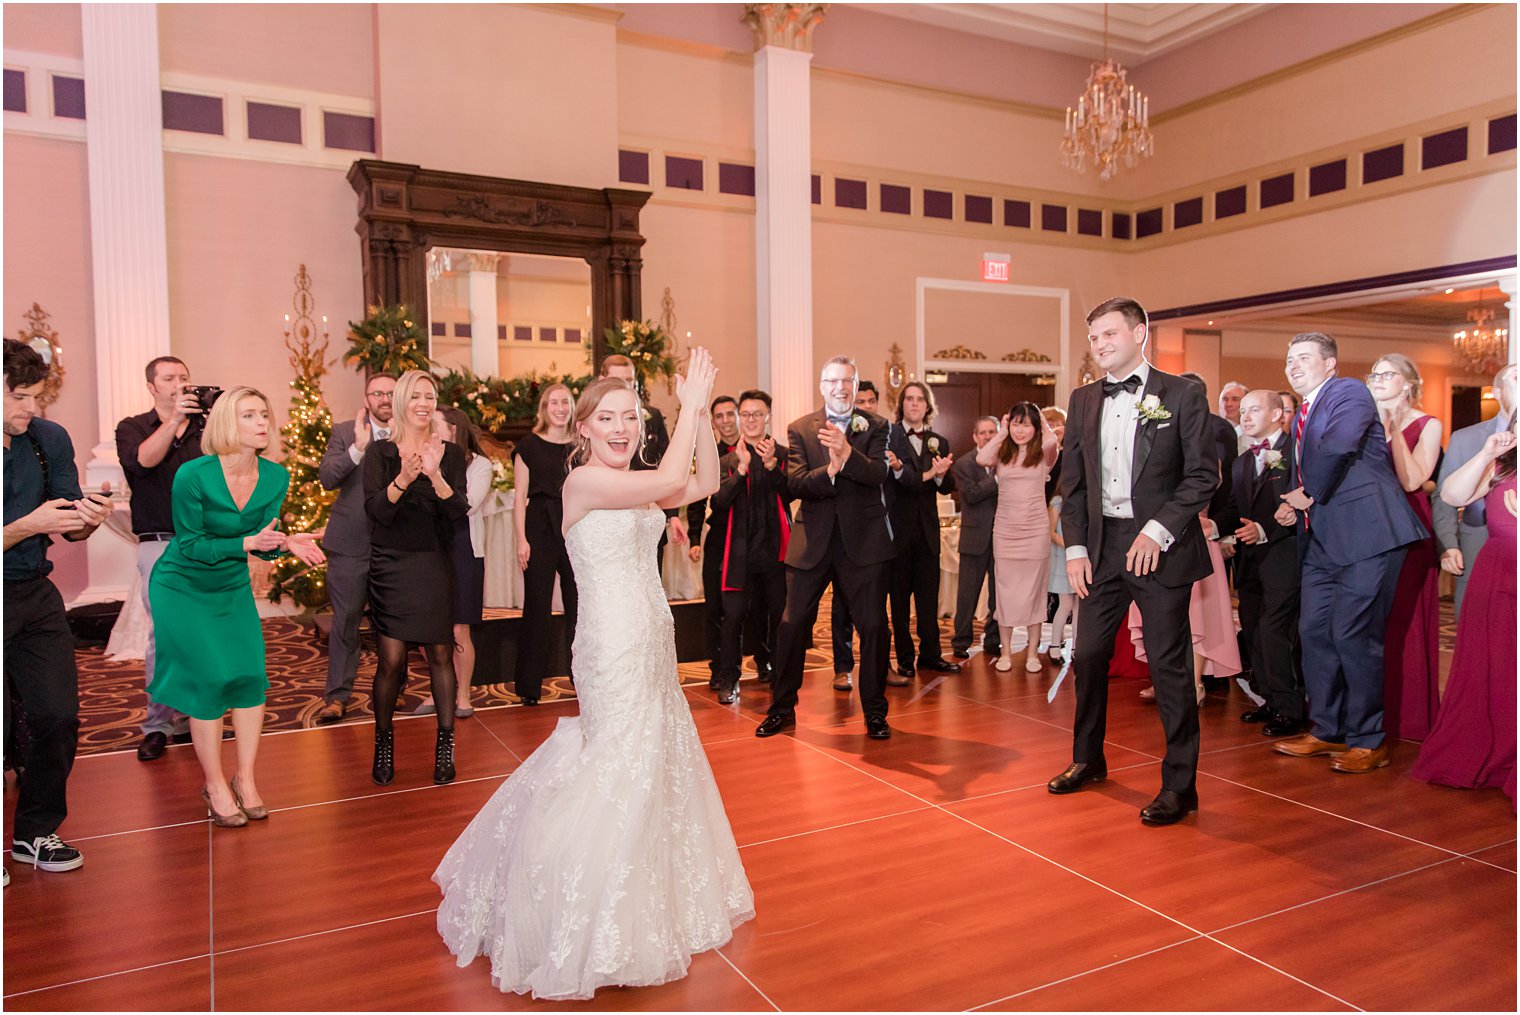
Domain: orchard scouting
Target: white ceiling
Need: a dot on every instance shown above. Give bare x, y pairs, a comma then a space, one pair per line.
1137, 32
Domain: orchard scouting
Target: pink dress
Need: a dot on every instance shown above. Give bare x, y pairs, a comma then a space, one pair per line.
1473, 742
1210, 619
1021, 544
1411, 646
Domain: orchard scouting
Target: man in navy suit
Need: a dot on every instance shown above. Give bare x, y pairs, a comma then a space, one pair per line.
1462, 539
1266, 564
1355, 526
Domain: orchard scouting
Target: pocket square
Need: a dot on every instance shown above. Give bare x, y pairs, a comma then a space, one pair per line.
1163, 426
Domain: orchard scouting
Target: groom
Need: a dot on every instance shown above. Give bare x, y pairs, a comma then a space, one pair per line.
1136, 471
836, 463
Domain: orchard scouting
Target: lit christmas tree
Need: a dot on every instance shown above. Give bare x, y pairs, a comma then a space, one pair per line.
304, 438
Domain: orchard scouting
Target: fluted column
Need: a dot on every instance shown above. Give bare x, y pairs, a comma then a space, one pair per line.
128, 251
783, 203
485, 354
1507, 283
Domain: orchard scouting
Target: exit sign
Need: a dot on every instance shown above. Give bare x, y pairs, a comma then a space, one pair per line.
995, 267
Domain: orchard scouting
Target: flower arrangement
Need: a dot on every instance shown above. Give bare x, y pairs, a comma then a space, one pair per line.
1150, 408
522, 392
483, 399
647, 345
387, 341
502, 477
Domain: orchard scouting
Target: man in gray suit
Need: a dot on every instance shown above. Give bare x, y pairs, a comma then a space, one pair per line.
1461, 539
978, 488
346, 539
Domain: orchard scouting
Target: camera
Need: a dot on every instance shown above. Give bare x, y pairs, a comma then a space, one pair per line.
205, 394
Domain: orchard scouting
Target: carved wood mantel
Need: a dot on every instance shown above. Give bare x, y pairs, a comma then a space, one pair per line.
405, 209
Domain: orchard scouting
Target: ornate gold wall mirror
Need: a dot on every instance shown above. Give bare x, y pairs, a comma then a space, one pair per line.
40, 335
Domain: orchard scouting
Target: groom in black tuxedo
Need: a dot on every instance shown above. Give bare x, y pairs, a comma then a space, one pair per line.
836, 463
1138, 468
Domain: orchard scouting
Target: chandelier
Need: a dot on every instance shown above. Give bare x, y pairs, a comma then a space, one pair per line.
1481, 349
1111, 122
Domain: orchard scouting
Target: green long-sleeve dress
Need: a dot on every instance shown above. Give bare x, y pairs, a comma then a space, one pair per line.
210, 648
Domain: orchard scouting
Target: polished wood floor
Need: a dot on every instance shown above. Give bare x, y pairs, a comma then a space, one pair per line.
931, 871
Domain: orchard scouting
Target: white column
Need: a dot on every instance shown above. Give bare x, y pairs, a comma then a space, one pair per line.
128, 251
485, 353
1508, 284
783, 204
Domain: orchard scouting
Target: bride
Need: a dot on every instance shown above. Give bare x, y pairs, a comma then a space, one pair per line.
607, 859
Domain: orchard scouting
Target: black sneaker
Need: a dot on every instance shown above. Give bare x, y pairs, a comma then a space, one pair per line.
47, 852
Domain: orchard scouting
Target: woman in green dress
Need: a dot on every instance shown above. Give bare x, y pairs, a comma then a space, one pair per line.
210, 644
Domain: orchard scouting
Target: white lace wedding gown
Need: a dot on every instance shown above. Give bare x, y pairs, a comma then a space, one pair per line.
606, 859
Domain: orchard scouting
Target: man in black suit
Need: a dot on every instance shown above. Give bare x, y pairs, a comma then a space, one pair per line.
920, 461
709, 549
836, 464
841, 628
1137, 471
1266, 565
1222, 516
977, 485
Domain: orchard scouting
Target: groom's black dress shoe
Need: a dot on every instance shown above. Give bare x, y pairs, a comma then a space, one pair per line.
1169, 807
1282, 726
877, 728
962, 653
1261, 714
1077, 776
940, 666
775, 723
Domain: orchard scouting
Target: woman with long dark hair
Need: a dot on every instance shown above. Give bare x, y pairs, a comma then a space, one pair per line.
414, 493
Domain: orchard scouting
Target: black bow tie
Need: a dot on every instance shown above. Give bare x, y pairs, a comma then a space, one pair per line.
1130, 384
915, 433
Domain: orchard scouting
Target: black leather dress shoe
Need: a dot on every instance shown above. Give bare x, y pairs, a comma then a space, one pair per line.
775, 723
961, 653
530, 702
992, 648
728, 695
766, 674
1282, 726
152, 747
1169, 807
1261, 714
182, 738
877, 728
940, 666
1077, 776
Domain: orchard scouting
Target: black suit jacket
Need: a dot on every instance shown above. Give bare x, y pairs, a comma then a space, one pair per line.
978, 492
850, 503
911, 502
757, 521
1227, 450
1174, 472
700, 512
1257, 499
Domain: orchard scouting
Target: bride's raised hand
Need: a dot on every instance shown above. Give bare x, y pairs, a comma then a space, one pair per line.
701, 373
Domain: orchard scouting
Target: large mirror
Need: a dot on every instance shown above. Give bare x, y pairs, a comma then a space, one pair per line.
508, 314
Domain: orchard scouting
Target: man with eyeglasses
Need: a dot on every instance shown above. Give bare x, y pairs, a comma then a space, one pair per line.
725, 422
346, 538
836, 464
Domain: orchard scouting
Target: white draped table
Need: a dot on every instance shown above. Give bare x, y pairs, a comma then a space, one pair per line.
950, 570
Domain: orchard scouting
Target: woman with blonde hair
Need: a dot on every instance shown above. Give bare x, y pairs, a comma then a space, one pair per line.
1411, 647
414, 494
210, 645
540, 465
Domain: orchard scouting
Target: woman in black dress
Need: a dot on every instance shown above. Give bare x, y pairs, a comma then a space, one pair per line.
539, 471
414, 492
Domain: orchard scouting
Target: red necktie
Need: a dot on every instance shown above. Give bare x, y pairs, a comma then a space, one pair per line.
1298, 444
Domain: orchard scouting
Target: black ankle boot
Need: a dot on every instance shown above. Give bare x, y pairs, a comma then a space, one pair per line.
443, 758
384, 771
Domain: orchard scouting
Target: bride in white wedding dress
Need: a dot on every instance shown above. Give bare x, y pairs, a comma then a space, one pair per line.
607, 859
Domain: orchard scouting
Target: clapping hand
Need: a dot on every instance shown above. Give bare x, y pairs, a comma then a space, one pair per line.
431, 456
1498, 443
767, 448
304, 546
893, 462
411, 468
835, 444
941, 465
362, 431
266, 539
695, 388
744, 458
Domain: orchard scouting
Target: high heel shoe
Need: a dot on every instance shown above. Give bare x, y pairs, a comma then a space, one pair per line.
443, 758
251, 813
237, 819
384, 771
1199, 691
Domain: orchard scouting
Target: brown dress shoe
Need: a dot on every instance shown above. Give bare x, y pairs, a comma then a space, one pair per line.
1308, 746
897, 678
1358, 760
842, 682
330, 712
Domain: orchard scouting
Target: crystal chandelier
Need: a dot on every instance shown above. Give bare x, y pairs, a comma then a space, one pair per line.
1481, 349
1111, 122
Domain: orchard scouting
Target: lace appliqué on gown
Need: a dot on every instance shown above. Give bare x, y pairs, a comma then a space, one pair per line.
607, 858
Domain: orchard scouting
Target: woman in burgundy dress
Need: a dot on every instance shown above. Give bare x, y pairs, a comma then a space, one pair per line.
1411, 650
1473, 743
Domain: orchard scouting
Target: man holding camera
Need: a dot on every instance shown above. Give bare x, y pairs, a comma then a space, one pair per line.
42, 500
151, 448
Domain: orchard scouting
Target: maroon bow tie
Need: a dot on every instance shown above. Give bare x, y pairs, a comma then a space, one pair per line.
915, 433
1260, 446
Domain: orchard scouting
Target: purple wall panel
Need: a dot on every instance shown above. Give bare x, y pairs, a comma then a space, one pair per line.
734, 178
200, 114
897, 200
439, 328
522, 333
1230, 202
1089, 222
1277, 190
817, 189
683, 173
1187, 213
267, 122
978, 209
849, 193
1444, 148
1383, 164
348, 132
1016, 213
633, 167
68, 97
548, 334
15, 90
1501, 133
1148, 223
1120, 225
1327, 178
939, 204
1053, 218
463, 331
573, 335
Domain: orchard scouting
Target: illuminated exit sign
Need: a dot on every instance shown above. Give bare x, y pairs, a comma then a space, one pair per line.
995, 267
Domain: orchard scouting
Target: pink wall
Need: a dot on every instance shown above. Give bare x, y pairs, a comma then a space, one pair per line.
45, 28
322, 47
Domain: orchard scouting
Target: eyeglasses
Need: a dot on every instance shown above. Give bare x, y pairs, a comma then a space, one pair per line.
1382, 375
839, 382
753, 415
384, 396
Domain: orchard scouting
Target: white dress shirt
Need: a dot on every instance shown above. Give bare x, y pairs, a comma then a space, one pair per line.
377, 433
1260, 458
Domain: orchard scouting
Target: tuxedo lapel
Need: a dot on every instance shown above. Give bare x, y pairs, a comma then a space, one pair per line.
1092, 439
1145, 430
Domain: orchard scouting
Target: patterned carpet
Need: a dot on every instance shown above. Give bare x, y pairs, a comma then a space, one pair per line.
112, 702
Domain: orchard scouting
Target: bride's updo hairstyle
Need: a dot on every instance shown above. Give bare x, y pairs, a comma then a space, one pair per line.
586, 405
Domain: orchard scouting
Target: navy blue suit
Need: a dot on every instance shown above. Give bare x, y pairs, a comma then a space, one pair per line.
1352, 542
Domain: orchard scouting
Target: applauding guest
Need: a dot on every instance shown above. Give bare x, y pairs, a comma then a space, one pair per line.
1411, 658
542, 461
841, 627
725, 422
1460, 539
210, 644
977, 485
414, 493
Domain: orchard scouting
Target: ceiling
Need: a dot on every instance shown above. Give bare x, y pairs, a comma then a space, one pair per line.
1136, 32
1439, 309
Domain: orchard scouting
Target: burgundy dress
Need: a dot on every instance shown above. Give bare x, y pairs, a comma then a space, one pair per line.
1473, 743
1411, 648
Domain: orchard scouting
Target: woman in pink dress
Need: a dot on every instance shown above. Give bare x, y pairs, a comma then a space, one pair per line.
1216, 653
1473, 742
1411, 649
1023, 452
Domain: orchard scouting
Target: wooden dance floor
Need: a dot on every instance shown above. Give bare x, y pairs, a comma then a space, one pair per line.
931, 871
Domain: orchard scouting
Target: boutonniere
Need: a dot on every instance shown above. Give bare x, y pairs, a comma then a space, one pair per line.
1150, 408
1273, 461
934, 445
858, 424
